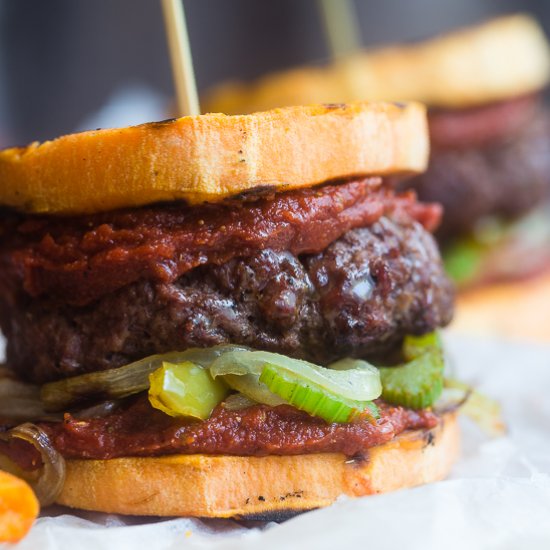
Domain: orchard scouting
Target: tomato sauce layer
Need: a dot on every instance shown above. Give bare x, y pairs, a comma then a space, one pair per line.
140, 430
78, 260
480, 126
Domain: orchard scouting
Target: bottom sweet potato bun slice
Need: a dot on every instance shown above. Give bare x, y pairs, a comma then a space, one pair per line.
486, 311
267, 487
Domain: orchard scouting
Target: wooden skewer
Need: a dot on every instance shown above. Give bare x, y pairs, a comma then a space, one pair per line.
180, 56
341, 26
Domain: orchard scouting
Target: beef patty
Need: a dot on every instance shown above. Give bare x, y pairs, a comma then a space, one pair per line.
358, 297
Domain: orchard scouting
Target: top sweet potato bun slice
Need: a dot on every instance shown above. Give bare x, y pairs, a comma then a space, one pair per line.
213, 156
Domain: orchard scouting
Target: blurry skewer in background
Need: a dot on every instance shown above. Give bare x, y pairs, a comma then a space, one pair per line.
341, 26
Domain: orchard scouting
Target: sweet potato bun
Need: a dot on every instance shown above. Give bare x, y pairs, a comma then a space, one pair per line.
494, 61
515, 310
267, 487
210, 157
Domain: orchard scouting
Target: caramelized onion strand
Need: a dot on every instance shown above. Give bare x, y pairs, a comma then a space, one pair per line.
48, 482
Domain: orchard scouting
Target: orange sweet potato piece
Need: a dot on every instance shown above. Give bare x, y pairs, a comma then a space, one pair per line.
18, 508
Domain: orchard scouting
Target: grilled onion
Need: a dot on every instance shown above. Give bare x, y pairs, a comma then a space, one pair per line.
274, 379
482, 410
238, 402
451, 399
47, 482
19, 402
100, 410
122, 381
358, 381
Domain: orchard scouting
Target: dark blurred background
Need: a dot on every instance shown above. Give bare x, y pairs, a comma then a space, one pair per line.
67, 65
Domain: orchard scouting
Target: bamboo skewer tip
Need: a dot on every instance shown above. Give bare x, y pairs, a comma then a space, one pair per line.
180, 57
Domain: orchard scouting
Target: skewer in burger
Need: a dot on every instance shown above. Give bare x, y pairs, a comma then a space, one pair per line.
490, 154
202, 302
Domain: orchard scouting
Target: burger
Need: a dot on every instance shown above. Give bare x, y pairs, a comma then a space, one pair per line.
490, 153
224, 316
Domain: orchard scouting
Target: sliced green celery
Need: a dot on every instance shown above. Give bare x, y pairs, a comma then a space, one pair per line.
418, 383
463, 260
185, 389
314, 399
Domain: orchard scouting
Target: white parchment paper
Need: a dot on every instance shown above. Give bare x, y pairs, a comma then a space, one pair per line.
498, 496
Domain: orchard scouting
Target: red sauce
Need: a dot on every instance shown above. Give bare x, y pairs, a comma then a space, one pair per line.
77, 260
21, 453
259, 430
466, 128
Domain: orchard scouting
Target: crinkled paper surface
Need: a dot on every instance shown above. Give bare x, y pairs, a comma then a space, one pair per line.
498, 496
